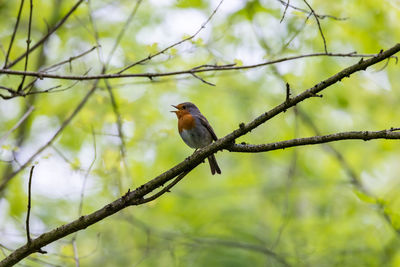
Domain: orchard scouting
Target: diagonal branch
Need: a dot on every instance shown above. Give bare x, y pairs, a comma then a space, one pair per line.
136, 197
319, 25
284, 12
69, 60
167, 188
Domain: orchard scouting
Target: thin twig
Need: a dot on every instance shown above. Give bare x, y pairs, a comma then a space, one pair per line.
305, 11
54, 89
14, 33
175, 44
288, 92
28, 43
167, 188
69, 60
319, 25
284, 12
201, 79
299, 30
28, 235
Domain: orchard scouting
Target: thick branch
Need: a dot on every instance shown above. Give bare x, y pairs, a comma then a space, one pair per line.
361, 135
136, 197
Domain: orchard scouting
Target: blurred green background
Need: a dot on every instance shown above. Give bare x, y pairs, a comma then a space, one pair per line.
295, 207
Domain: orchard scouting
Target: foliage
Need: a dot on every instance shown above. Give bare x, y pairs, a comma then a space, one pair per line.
296, 206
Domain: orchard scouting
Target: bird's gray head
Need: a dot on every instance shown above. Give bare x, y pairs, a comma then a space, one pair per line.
187, 106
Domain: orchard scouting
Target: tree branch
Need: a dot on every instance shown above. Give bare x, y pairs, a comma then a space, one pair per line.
360, 135
309, 13
284, 12
319, 25
136, 197
203, 68
28, 235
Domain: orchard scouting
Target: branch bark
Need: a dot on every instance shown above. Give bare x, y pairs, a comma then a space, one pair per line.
360, 135
203, 68
136, 197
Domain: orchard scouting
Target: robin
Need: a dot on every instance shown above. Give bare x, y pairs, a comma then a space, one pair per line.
195, 130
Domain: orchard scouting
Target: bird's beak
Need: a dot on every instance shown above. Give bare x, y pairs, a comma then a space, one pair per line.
174, 111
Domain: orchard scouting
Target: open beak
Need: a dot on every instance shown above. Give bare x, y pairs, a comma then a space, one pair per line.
174, 111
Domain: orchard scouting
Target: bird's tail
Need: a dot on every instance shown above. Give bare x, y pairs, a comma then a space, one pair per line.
213, 165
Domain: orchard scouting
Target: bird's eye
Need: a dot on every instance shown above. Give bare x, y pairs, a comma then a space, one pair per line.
183, 107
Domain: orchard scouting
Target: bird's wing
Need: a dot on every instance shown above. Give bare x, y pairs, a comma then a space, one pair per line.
205, 123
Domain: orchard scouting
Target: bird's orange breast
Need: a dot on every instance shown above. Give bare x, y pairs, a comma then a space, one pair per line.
186, 122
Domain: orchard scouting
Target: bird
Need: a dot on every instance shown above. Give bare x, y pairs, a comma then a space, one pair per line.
195, 130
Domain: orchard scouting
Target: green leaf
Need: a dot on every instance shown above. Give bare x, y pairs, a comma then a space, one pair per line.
152, 49
238, 62
364, 197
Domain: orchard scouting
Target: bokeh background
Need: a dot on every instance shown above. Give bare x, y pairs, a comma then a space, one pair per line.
296, 207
